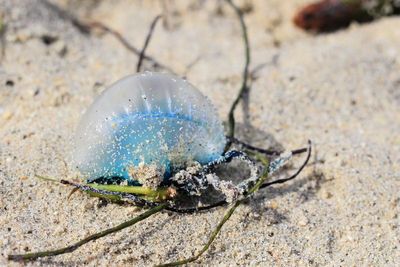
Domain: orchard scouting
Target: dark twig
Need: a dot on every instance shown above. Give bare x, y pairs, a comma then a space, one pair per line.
244, 87
71, 248
146, 43
87, 27
191, 65
267, 152
128, 45
281, 181
116, 34
65, 15
197, 209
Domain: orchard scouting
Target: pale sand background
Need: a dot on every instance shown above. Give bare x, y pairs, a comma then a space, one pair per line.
341, 90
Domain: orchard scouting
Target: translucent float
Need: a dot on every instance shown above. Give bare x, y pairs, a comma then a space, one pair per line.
147, 119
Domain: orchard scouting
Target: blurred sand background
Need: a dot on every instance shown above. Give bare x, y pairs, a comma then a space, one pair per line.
340, 90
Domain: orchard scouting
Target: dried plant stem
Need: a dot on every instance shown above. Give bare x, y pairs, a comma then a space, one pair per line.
128, 45
68, 16
71, 248
244, 87
299, 170
146, 43
267, 152
87, 27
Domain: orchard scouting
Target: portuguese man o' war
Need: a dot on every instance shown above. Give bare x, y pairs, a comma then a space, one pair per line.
153, 140
147, 119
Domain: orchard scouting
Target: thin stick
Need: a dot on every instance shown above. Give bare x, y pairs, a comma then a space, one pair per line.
197, 209
71, 248
146, 43
128, 45
244, 87
86, 28
66, 15
262, 150
284, 180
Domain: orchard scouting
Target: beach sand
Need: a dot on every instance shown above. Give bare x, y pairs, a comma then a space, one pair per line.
341, 90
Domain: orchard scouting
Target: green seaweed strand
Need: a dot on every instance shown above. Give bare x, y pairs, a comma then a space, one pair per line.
73, 247
244, 87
